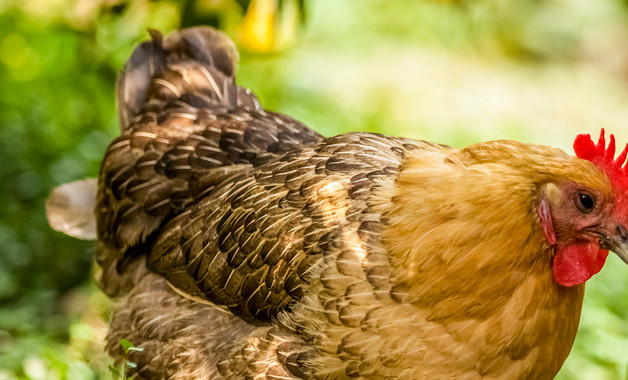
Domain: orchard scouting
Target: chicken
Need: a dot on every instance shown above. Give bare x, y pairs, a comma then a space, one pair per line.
240, 244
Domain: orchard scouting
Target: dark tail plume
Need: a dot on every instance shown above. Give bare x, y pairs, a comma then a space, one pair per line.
197, 64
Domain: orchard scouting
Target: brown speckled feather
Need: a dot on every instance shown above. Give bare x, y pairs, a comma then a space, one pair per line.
251, 244
185, 126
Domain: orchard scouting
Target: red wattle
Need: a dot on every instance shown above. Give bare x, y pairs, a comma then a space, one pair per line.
575, 264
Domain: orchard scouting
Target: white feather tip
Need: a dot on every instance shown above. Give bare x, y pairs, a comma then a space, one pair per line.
70, 209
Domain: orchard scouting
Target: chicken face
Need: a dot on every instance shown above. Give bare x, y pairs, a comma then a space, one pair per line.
577, 214
581, 222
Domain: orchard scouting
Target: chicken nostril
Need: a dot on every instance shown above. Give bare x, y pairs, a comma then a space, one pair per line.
623, 233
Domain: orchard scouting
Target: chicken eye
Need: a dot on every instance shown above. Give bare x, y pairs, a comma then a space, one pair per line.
585, 202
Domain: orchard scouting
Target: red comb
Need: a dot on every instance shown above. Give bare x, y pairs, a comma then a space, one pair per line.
604, 158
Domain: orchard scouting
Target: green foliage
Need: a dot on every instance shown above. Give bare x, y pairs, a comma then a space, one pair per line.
122, 373
52, 129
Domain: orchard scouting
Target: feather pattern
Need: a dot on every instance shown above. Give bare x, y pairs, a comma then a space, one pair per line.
180, 121
253, 242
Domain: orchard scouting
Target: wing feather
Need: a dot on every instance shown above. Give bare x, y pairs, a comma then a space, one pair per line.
266, 228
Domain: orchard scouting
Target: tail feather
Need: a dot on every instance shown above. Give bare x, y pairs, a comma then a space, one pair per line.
200, 61
147, 61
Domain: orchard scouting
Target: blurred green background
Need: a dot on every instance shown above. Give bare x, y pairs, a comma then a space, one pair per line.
455, 72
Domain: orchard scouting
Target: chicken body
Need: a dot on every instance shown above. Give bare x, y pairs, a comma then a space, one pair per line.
241, 244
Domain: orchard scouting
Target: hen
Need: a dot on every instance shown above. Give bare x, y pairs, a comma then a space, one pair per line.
240, 244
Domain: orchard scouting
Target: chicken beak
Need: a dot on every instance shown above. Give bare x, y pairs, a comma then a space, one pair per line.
617, 243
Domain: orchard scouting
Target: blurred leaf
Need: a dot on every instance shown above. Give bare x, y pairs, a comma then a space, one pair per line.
126, 344
114, 371
270, 25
